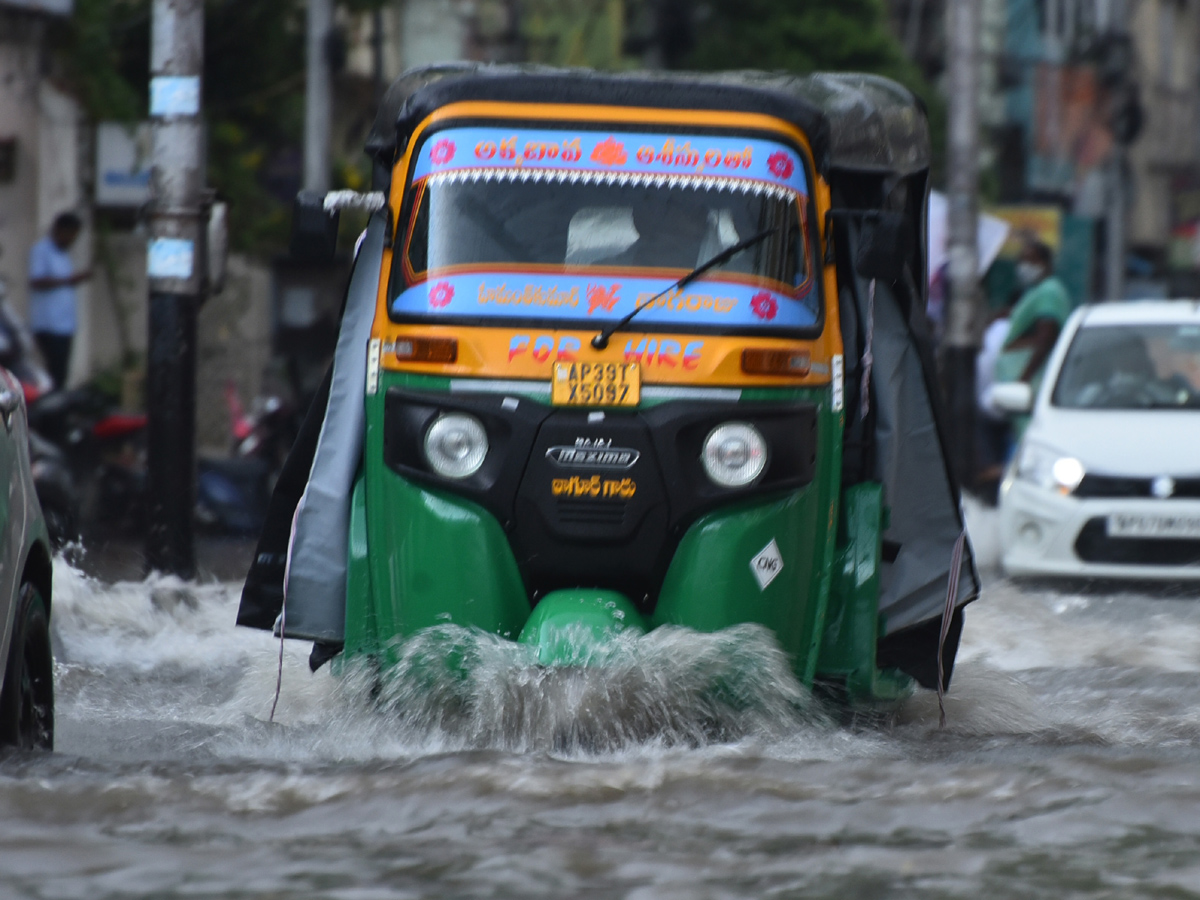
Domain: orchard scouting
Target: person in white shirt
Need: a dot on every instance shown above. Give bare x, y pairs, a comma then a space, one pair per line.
993, 431
52, 280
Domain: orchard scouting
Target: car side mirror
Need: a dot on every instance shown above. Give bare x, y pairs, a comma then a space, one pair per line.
1013, 397
314, 229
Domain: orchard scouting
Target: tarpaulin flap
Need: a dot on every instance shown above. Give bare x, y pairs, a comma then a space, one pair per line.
852, 121
311, 502
875, 124
907, 454
381, 141
315, 594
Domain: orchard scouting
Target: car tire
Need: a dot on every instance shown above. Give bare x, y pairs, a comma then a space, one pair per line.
27, 700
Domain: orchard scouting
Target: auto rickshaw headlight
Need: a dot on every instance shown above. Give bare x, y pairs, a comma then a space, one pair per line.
456, 445
734, 454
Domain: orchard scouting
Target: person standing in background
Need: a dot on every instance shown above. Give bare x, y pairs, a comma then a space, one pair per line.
52, 281
1034, 324
993, 435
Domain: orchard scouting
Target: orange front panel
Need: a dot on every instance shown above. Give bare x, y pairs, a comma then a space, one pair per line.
689, 359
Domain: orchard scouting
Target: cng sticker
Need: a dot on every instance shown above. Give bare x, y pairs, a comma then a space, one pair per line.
767, 565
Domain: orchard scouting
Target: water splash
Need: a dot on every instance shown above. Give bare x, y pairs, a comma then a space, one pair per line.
162, 651
464, 688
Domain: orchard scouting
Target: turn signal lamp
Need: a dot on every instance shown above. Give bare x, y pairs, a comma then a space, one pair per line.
427, 349
775, 362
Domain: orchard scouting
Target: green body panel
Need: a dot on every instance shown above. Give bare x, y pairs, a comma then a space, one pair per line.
710, 584
421, 557
432, 559
361, 629
852, 627
568, 627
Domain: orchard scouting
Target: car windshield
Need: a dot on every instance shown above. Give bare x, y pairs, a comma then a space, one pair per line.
586, 226
1131, 367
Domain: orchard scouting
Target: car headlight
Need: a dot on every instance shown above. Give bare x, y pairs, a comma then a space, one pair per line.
456, 445
1048, 468
734, 454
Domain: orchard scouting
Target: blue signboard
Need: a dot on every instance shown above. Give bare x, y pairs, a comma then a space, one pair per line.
766, 162
588, 298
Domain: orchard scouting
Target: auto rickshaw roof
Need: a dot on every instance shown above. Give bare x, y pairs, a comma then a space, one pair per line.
853, 121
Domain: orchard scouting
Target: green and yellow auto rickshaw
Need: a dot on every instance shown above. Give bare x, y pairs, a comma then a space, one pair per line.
630, 351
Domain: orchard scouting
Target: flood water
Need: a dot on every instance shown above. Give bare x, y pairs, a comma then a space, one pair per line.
1070, 766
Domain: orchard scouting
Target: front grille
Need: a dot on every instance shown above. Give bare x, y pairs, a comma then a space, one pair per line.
591, 512
1112, 486
1119, 486
1095, 546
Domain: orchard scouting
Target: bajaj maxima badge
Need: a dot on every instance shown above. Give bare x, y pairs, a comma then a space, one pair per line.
593, 453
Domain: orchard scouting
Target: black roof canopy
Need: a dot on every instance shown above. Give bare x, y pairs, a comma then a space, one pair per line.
853, 121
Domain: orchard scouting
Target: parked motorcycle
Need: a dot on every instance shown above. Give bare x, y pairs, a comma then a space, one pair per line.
232, 493
105, 451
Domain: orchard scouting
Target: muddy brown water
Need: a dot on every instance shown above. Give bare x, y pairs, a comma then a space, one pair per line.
1070, 766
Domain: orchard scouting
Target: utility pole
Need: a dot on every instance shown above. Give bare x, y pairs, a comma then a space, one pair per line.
318, 97
1115, 241
176, 265
963, 318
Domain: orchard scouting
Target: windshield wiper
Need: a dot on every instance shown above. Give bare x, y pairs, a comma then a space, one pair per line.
600, 341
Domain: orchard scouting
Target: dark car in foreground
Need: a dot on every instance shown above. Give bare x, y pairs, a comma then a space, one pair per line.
27, 689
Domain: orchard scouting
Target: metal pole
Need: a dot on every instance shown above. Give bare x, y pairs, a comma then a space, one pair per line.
176, 268
1114, 261
963, 315
318, 97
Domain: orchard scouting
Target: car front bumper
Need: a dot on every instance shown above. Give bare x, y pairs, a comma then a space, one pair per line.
1045, 533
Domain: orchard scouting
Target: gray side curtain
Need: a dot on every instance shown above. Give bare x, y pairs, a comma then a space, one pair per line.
925, 516
315, 593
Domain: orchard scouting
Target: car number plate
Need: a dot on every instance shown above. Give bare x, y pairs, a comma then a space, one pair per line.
1131, 525
596, 384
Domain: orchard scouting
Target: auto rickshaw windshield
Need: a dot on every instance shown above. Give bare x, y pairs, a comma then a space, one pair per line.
588, 234
577, 226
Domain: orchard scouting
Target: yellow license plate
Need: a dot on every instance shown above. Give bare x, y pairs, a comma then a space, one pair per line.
596, 384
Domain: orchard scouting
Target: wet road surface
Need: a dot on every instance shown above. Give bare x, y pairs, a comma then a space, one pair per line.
1070, 767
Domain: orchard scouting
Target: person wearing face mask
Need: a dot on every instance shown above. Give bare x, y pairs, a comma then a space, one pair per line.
1035, 322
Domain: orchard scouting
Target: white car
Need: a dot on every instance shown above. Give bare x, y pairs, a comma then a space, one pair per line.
1106, 480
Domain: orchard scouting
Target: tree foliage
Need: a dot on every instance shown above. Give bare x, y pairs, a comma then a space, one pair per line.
811, 35
575, 32
253, 93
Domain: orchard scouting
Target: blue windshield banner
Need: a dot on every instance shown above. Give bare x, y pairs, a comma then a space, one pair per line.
588, 298
763, 161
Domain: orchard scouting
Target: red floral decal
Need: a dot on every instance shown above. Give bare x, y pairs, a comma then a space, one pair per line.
609, 152
781, 164
601, 298
441, 294
442, 152
764, 305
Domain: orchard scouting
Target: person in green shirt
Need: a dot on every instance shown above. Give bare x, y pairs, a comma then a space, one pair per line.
1035, 322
